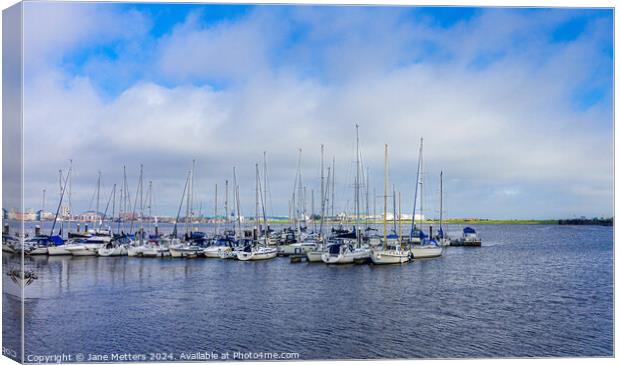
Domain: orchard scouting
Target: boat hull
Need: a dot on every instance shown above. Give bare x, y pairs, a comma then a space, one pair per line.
315, 256
183, 252
426, 252
57, 251
215, 252
257, 255
83, 250
37, 251
134, 251
381, 257
114, 251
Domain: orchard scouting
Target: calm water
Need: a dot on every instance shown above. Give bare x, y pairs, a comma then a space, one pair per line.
530, 291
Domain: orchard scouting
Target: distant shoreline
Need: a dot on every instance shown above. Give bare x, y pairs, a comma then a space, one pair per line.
460, 221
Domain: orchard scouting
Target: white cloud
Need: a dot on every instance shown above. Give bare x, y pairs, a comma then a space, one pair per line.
510, 127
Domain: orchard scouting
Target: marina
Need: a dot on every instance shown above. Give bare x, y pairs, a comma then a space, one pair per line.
551, 298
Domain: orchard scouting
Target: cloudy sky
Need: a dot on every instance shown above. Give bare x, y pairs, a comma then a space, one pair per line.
515, 105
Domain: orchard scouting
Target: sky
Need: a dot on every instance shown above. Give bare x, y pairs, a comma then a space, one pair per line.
514, 104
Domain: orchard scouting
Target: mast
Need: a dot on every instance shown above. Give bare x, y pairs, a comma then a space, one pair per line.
190, 208
215, 214
441, 203
98, 189
120, 206
150, 206
385, 182
367, 197
300, 196
256, 213
262, 200
333, 184
323, 200
60, 203
176, 221
265, 185
415, 194
113, 206
357, 181
394, 207
70, 212
312, 208
226, 206
421, 188
400, 220
141, 207
42, 209
126, 197
236, 187
322, 185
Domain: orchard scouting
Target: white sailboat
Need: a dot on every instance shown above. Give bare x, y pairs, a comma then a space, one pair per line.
257, 251
391, 252
343, 252
427, 248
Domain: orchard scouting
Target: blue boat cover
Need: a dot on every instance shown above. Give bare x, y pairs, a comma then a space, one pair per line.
57, 240
469, 230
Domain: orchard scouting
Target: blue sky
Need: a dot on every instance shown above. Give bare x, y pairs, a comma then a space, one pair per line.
514, 104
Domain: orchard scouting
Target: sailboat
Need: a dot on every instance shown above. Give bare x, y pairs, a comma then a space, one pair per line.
96, 239
256, 251
349, 250
317, 254
391, 252
114, 247
295, 242
185, 249
42, 244
426, 248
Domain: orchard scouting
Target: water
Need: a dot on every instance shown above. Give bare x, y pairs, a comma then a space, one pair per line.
530, 291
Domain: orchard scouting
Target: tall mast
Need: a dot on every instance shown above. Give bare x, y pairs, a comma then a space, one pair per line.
323, 199
256, 213
150, 198
176, 221
262, 200
415, 194
62, 221
113, 206
60, 202
400, 220
226, 206
357, 179
441, 203
265, 185
188, 209
70, 212
322, 183
42, 208
127, 195
421, 187
367, 196
141, 206
98, 189
385, 196
215, 214
299, 208
191, 207
394, 207
333, 184
236, 188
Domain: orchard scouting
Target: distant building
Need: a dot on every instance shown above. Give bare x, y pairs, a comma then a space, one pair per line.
90, 216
